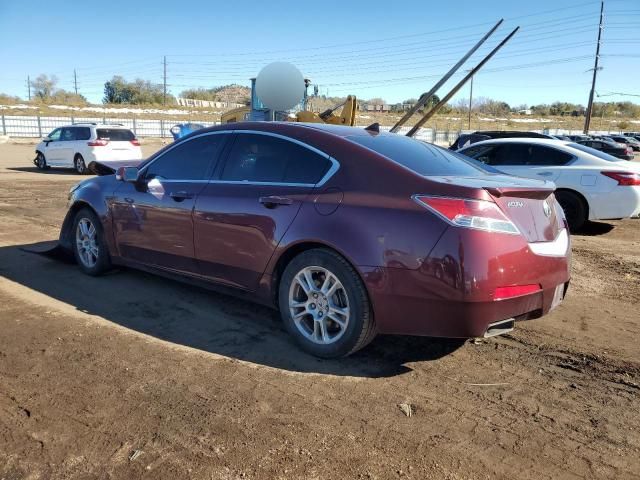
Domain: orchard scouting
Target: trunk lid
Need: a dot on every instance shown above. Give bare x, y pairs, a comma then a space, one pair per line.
529, 204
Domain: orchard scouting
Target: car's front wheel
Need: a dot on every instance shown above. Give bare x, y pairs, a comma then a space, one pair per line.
79, 165
41, 162
324, 304
90, 249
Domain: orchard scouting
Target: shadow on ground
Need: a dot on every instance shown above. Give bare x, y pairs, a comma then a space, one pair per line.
204, 320
49, 171
592, 229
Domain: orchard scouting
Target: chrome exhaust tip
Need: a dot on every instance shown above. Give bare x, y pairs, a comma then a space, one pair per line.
500, 328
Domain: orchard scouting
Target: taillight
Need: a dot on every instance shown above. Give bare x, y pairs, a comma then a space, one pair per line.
463, 212
503, 293
627, 179
135, 142
98, 143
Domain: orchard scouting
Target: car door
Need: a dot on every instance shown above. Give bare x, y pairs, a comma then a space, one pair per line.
525, 160
152, 219
243, 213
66, 147
544, 162
52, 150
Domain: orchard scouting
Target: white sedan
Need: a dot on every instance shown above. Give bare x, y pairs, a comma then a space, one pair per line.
591, 185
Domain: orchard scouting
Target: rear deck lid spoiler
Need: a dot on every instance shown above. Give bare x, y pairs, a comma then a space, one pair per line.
538, 193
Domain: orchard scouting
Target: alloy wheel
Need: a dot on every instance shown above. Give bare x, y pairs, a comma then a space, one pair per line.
319, 305
80, 166
86, 242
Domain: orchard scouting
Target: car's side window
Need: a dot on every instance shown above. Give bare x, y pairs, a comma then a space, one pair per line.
68, 134
83, 133
191, 160
263, 158
546, 156
511, 154
482, 153
55, 135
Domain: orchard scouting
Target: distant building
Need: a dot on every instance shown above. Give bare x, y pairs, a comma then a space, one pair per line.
402, 107
374, 107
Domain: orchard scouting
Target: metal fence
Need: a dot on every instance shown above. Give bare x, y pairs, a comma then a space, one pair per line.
37, 127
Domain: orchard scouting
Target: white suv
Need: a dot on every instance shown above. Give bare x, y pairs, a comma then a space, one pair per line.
76, 146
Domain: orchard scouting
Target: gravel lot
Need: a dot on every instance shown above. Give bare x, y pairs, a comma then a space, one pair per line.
133, 376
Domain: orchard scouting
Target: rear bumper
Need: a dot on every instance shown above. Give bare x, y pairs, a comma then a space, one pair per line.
451, 294
100, 154
620, 202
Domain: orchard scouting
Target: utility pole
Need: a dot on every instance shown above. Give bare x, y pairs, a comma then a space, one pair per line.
470, 102
29, 86
75, 81
164, 82
587, 120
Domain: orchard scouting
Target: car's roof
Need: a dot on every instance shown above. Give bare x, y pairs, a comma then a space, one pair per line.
96, 125
536, 141
337, 130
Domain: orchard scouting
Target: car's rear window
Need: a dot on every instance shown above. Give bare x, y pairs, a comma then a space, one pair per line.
594, 152
421, 157
115, 134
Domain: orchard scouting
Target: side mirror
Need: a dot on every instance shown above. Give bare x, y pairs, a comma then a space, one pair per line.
127, 174
46, 140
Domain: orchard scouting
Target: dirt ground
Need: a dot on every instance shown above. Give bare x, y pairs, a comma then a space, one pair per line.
131, 376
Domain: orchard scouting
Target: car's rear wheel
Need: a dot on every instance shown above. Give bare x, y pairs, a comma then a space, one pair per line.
41, 162
325, 305
90, 249
574, 209
78, 163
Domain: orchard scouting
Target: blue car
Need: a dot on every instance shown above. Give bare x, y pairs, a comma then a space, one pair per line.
183, 129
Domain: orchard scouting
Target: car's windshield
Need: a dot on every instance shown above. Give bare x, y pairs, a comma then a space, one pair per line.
421, 157
594, 152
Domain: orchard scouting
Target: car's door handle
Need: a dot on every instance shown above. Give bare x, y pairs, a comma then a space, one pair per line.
181, 195
545, 174
274, 201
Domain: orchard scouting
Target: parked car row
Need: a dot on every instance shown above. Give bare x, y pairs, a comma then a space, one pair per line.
620, 146
348, 232
591, 185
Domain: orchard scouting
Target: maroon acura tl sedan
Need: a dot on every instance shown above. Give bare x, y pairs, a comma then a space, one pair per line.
349, 232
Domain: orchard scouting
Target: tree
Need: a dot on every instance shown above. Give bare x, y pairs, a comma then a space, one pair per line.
8, 99
44, 86
376, 101
118, 90
45, 90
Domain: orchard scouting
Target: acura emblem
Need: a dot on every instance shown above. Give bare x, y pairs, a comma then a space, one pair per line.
546, 208
515, 204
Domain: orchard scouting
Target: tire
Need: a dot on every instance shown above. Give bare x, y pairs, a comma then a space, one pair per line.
41, 162
89, 247
79, 165
328, 326
574, 208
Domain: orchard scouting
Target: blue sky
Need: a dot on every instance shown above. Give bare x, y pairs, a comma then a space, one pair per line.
393, 50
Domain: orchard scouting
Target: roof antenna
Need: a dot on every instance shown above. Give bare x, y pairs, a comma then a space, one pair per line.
374, 127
